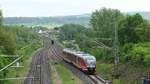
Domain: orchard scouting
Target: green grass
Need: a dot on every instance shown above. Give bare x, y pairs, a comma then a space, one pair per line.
116, 81
11, 73
105, 70
66, 75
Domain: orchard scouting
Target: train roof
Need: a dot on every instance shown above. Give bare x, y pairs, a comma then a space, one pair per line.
79, 53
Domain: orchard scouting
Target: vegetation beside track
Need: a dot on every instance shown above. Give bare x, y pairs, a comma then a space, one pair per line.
66, 75
27, 53
17, 41
62, 75
54, 74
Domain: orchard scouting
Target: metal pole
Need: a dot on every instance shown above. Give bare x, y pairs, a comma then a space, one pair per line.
116, 43
116, 47
17, 71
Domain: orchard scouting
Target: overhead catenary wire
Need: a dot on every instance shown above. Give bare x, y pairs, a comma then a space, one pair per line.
9, 56
18, 78
102, 45
10, 63
13, 56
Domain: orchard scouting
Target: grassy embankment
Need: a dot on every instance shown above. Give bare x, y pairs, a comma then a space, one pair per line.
130, 74
105, 70
61, 75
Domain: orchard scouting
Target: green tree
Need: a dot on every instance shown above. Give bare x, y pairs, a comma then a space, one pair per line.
70, 31
137, 54
143, 31
129, 27
1, 20
103, 22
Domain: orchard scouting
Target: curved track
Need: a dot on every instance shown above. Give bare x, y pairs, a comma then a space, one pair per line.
40, 67
89, 79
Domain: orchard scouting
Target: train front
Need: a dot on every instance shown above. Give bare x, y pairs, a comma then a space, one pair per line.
91, 64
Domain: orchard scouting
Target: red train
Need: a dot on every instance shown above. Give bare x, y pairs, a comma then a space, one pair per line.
83, 61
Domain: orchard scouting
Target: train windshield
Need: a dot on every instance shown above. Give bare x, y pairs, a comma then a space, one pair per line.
91, 58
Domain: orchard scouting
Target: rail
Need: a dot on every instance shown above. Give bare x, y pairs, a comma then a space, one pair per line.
98, 80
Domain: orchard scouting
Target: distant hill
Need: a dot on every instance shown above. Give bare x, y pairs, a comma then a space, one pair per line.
76, 19
59, 20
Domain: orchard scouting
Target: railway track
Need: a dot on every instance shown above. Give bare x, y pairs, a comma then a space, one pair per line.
35, 71
40, 69
90, 79
98, 80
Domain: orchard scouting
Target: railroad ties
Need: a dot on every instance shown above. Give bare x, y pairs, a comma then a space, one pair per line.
40, 69
98, 80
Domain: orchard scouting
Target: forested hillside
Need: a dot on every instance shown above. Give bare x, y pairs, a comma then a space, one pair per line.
77, 19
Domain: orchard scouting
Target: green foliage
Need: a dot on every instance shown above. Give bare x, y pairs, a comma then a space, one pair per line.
103, 22
84, 42
102, 54
1, 66
7, 40
1, 18
104, 70
134, 35
137, 54
17, 40
24, 35
7, 46
65, 75
134, 43
134, 29
48, 21
143, 32
7, 43
69, 31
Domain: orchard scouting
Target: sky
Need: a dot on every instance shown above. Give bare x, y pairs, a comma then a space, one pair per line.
43, 8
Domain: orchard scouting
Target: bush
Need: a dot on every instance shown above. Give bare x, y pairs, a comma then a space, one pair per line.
138, 54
